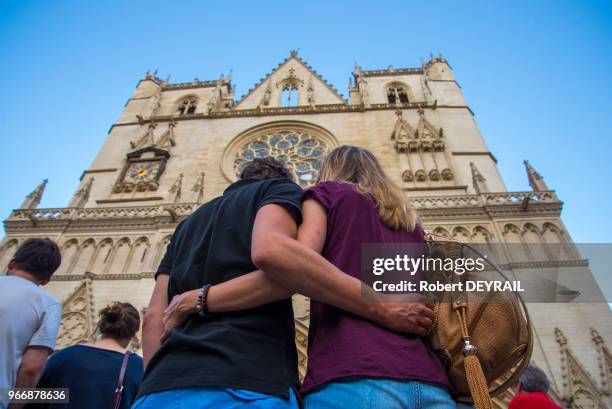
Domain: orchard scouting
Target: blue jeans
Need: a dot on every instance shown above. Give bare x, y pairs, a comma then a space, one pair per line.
211, 397
366, 393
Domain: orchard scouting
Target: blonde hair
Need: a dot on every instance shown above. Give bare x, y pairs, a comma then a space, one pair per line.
360, 167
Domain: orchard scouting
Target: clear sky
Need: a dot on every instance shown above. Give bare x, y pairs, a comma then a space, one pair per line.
537, 75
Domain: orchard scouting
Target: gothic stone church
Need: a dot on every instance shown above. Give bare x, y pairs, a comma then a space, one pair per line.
177, 145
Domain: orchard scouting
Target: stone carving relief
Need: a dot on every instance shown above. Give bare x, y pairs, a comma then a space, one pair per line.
214, 102
267, 95
421, 151
166, 140
176, 189
69, 251
104, 256
198, 189
153, 104
77, 323
82, 195
8, 250
579, 390
310, 96
479, 182
605, 363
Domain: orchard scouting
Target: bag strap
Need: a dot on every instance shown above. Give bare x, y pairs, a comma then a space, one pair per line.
119, 387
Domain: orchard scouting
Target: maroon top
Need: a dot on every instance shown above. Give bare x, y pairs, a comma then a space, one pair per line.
341, 344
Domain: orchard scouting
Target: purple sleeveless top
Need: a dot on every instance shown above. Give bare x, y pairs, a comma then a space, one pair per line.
341, 344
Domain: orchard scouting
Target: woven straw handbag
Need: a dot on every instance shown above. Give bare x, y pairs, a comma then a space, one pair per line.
483, 339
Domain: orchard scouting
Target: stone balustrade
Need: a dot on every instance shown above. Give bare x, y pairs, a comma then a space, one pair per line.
127, 212
485, 199
184, 209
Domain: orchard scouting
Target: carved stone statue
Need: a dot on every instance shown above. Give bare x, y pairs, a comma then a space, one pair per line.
265, 99
310, 93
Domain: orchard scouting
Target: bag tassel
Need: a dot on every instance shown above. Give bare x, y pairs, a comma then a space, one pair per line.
475, 376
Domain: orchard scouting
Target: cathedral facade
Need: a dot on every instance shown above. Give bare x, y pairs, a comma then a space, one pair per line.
177, 145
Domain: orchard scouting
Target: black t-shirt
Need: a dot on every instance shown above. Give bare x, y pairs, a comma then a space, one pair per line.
252, 349
91, 374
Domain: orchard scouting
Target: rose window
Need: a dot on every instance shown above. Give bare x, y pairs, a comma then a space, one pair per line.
299, 151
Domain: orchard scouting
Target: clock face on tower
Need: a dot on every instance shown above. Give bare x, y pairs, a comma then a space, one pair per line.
141, 172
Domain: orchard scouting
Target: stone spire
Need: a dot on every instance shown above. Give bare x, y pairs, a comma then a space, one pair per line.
33, 199
82, 195
479, 182
176, 188
536, 181
198, 189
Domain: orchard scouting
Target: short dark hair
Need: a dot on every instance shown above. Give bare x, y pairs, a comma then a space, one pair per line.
266, 168
39, 257
534, 380
119, 321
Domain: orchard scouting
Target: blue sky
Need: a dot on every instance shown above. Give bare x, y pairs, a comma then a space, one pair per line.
536, 74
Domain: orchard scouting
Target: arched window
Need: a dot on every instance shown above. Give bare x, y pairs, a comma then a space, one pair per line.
289, 96
187, 106
397, 94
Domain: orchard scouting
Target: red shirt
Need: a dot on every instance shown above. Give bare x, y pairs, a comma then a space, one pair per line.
532, 400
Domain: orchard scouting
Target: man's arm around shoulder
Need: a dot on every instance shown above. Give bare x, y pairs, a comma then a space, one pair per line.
299, 267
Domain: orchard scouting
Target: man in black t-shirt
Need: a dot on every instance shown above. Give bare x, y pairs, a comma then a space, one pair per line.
210, 356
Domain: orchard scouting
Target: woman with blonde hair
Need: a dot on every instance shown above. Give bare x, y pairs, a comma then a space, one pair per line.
352, 362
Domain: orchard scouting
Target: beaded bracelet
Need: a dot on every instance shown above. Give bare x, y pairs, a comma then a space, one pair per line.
202, 307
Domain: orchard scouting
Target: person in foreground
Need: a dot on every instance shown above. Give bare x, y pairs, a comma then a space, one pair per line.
222, 303
29, 316
532, 391
215, 358
353, 363
91, 371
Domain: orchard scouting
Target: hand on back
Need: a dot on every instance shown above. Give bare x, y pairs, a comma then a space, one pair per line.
408, 314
